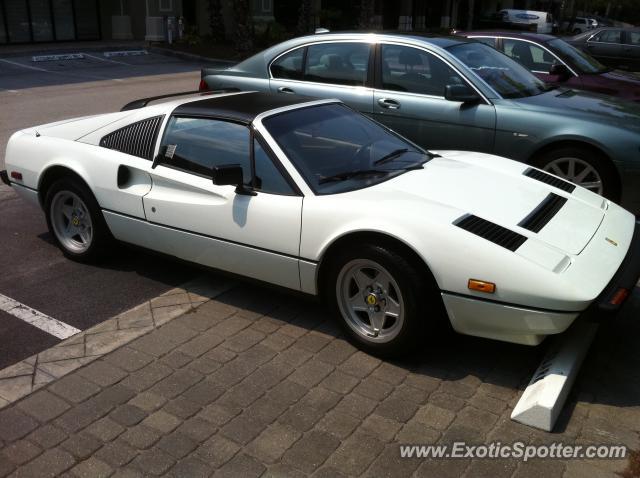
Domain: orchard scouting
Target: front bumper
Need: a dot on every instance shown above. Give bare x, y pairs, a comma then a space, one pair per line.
624, 280
5, 177
505, 322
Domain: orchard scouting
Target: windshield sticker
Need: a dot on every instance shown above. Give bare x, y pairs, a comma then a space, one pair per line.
171, 150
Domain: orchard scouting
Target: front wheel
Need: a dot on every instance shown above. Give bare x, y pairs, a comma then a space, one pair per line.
384, 301
583, 167
75, 220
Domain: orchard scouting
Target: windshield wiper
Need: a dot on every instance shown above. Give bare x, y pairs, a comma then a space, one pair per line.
391, 156
351, 174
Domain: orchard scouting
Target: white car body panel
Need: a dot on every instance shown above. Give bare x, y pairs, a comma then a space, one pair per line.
541, 287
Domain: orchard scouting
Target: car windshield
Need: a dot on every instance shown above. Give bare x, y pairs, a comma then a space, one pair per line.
506, 76
337, 149
578, 59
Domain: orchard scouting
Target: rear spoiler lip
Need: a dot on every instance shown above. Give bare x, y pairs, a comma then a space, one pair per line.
142, 102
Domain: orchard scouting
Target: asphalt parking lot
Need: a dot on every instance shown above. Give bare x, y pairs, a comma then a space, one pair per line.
473, 382
33, 270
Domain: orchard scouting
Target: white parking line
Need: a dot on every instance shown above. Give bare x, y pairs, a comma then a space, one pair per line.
24, 66
37, 319
107, 60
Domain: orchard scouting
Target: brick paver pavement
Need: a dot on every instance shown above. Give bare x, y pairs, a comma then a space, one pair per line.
260, 383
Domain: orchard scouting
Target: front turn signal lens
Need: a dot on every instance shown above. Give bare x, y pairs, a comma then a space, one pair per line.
482, 286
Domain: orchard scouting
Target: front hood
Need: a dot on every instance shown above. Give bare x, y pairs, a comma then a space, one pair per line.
497, 190
582, 104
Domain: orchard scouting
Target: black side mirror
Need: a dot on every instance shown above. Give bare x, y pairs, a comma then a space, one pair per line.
230, 175
560, 70
461, 93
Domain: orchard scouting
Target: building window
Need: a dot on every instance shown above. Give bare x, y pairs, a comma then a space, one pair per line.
166, 5
267, 6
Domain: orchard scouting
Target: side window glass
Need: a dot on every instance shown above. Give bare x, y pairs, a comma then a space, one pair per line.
415, 71
634, 38
289, 65
196, 145
610, 36
268, 178
531, 56
338, 63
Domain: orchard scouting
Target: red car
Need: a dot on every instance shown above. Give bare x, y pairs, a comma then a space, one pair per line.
557, 62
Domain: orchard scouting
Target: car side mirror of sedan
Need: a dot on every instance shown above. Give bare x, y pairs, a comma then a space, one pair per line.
461, 93
231, 175
560, 70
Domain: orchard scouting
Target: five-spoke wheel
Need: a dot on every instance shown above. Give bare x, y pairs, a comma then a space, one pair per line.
71, 221
75, 219
370, 300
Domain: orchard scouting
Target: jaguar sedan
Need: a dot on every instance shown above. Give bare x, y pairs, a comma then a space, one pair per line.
454, 93
618, 47
315, 197
556, 62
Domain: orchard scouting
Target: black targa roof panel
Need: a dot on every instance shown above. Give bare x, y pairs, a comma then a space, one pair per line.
239, 107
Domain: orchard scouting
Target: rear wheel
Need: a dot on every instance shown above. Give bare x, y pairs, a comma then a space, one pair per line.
583, 167
385, 303
75, 220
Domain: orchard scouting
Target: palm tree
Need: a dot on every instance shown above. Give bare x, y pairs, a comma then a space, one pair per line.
216, 21
305, 20
365, 20
243, 35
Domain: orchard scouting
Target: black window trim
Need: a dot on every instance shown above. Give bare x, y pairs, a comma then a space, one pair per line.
253, 134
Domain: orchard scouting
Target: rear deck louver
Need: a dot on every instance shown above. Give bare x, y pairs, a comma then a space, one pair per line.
136, 139
550, 180
543, 213
491, 232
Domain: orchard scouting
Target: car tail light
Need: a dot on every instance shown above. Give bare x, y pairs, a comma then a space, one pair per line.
203, 85
16, 175
482, 286
619, 297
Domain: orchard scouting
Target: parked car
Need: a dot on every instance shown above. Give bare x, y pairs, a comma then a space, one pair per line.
541, 22
557, 62
315, 197
454, 93
578, 25
617, 47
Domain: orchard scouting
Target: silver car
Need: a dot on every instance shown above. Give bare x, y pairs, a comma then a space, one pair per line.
453, 93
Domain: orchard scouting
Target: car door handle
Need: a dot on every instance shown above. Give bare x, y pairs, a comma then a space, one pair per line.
389, 104
284, 89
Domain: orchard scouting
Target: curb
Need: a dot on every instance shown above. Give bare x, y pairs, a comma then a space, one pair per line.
25, 377
188, 56
39, 48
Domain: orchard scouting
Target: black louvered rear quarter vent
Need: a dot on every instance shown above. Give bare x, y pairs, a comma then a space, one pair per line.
137, 139
491, 232
550, 180
543, 213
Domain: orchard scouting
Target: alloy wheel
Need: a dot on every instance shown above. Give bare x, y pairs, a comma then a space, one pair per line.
578, 172
370, 300
71, 222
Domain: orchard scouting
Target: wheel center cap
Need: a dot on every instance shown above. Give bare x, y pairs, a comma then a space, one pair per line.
75, 220
372, 299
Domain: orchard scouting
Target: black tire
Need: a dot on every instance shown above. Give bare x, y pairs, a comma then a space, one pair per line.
603, 167
423, 307
101, 237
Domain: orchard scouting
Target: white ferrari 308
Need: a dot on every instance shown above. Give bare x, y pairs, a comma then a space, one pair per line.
315, 197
